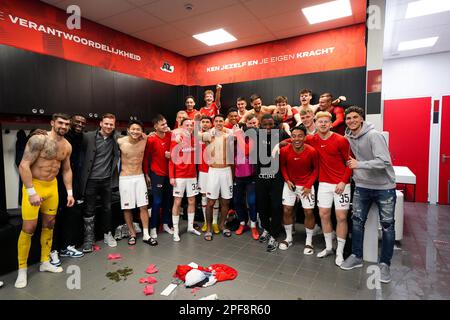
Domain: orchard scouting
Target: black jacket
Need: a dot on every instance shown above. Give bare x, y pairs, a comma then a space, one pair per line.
89, 150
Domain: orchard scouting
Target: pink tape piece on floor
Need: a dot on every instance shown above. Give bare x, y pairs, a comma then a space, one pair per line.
151, 269
114, 256
149, 280
148, 290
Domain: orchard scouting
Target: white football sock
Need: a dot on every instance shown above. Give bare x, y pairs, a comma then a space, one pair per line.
288, 228
340, 246
204, 202
328, 240
216, 212
191, 221
252, 224
145, 235
175, 221
309, 235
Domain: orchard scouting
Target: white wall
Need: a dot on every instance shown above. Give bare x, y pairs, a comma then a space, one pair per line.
421, 76
11, 172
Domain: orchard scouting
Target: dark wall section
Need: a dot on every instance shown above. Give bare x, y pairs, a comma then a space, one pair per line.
32, 83
35, 84
2, 178
348, 82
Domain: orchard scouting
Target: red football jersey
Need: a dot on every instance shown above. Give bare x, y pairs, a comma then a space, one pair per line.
155, 153
300, 168
191, 114
182, 158
211, 111
333, 156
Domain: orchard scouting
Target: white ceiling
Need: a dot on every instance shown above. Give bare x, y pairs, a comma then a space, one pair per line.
168, 24
398, 29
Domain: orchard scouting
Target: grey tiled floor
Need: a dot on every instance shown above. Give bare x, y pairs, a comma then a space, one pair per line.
420, 268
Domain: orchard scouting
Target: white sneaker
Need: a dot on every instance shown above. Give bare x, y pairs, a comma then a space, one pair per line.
176, 237
1, 284
70, 251
54, 258
339, 260
153, 233
109, 240
21, 281
193, 231
47, 266
167, 229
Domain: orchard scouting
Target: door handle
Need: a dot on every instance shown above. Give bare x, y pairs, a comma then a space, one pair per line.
444, 157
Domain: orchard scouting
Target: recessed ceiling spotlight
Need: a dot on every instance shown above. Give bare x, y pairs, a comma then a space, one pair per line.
328, 11
417, 44
426, 7
215, 37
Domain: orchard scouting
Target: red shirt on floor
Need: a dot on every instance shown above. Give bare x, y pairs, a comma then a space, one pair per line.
182, 158
300, 168
211, 111
333, 155
155, 152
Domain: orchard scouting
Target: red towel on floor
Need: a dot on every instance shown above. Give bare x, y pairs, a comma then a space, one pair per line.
222, 272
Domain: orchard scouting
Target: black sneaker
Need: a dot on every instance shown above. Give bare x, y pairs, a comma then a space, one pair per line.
264, 237
272, 245
87, 247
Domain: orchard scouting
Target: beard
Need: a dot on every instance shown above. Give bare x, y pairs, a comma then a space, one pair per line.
61, 132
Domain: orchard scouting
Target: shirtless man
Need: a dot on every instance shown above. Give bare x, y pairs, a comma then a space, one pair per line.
132, 184
259, 110
337, 113
305, 101
220, 179
42, 159
241, 105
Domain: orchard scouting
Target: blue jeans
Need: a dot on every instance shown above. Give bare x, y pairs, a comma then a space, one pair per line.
162, 199
244, 193
362, 201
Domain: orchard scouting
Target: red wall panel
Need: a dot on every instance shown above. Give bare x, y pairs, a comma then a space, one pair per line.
444, 171
408, 124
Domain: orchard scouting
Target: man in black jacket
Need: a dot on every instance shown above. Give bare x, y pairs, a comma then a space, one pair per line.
68, 219
98, 176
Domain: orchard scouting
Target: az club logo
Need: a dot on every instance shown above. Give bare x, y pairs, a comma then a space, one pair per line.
166, 67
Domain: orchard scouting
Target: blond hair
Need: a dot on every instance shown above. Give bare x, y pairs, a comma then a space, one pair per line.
306, 111
322, 114
208, 92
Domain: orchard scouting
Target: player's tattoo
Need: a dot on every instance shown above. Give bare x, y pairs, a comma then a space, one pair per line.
33, 148
50, 149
